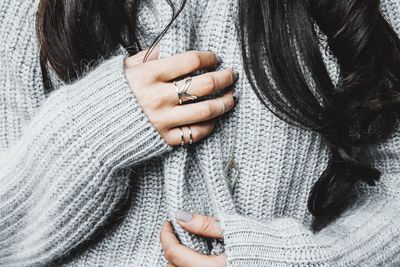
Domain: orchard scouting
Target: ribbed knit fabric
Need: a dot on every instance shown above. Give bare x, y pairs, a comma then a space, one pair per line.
86, 179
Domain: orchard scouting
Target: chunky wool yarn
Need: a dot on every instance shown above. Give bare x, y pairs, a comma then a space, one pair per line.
86, 180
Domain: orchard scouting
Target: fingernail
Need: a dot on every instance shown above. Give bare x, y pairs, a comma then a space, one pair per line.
184, 216
219, 60
235, 76
236, 95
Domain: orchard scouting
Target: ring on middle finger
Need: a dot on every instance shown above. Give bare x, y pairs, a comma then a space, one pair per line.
183, 93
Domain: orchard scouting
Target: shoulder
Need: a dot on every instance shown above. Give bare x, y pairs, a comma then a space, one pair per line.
16, 10
20, 73
17, 20
17, 29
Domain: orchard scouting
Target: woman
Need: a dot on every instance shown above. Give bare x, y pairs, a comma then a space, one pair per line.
116, 157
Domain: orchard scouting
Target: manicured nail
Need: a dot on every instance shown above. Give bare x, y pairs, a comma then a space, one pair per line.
184, 216
235, 76
219, 60
236, 95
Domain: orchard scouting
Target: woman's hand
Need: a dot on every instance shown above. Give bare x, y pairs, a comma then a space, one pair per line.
179, 255
156, 94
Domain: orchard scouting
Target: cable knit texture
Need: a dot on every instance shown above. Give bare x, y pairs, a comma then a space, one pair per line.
86, 179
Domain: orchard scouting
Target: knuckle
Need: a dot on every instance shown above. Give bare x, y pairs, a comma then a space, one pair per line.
150, 100
205, 112
156, 103
142, 73
147, 74
138, 75
209, 83
206, 225
170, 254
194, 59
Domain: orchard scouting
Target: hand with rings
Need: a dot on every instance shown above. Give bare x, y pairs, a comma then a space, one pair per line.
166, 98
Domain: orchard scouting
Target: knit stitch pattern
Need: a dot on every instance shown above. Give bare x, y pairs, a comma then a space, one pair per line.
87, 180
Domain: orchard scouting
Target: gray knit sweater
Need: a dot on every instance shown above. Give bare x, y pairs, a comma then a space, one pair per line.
86, 180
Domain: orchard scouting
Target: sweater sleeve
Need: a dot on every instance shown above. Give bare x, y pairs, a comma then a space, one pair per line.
366, 235
64, 177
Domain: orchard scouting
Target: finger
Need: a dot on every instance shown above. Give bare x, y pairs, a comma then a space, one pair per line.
199, 131
139, 57
205, 226
203, 85
171, 265
182, 256
152, 53
200, 111
172, 67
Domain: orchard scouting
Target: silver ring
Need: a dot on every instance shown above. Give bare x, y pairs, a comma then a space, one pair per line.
223, 106
186, 85
190, 135
183, 93
182, 137
177, 92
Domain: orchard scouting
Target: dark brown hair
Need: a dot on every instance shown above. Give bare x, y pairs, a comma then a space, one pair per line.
360, 110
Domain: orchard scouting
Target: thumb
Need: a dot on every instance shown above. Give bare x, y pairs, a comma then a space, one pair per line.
139, 57
204, 226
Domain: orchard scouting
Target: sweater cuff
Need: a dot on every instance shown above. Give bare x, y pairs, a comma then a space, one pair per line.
109, 118
249, 242
237, 236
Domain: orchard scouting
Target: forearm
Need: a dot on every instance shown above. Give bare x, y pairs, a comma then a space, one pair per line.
62, 179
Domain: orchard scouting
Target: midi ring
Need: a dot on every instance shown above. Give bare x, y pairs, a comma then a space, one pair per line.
223, 106
183, 92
